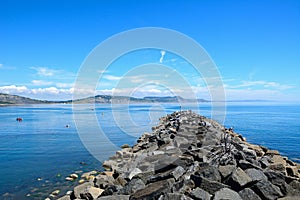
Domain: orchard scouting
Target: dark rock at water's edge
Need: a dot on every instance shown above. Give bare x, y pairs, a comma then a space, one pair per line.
188, 156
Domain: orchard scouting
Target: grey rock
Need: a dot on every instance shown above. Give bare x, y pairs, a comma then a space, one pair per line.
293, 188
295, 184
175, 196
93, 192
213, 140
165, 163
292, 171
134, 172
115, 197
181, 142
226, 170
145, 176
102, 181
80, 189
206, 184
86, 191
111, 189
120, 181
109, 164
256, 175
238, 179
178, 172
153, 190
171, 150
185, 160
290, 198
246, 165
157, 152
277, 179
200, 194
133, 186
265, 161
267, 190
227, 194
249, 153
254, 162
239, 155
248, 194
209, 172
66, 197
272, 152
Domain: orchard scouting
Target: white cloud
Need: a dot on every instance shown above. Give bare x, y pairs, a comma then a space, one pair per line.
44, 71
1, 65
49, 93
41, 83
162, 52
261, 84
102, 71
64, 85
111, 77
50, 90
12, 89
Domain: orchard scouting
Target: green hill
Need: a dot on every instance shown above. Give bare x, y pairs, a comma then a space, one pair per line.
8, 99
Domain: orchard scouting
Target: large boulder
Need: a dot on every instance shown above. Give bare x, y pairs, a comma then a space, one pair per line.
86, 191
258, 150
248, 194
175, 196
200, 194
80, 189
226, 193
243, 164
226, 170
153, 190
132, 186
134, 172
102, 181
277, 163
209, 172
256, 175
115, 197
292, 171
277, 179
239, 179
207, 185
66, 197
267, 190
178, 172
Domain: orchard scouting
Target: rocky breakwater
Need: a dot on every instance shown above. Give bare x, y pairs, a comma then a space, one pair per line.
188, 156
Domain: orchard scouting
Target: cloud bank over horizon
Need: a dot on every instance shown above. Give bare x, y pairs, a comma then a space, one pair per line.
47, 83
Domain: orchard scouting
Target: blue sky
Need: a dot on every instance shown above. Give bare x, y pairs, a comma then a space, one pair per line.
254, 44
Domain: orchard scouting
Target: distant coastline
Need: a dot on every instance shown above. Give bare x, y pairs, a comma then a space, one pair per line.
7, 100
13, 100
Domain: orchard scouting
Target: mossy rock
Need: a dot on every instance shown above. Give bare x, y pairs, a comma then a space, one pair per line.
124, 146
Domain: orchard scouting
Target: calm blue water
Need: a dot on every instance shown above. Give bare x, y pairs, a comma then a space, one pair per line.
42, 147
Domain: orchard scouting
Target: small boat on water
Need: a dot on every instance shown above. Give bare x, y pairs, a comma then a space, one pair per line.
19, 119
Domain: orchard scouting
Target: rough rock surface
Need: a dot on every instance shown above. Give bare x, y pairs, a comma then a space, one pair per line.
188, 156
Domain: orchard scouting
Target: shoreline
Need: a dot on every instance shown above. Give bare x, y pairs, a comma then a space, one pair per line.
188, 155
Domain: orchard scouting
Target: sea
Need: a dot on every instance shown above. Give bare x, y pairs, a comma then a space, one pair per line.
55, 140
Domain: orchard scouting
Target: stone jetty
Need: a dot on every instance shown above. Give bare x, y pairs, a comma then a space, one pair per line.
188, 156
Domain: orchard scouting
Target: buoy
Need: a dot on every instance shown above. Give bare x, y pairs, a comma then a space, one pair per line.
19, 119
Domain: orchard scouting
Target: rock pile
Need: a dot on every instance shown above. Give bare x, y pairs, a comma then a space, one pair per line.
188, 156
